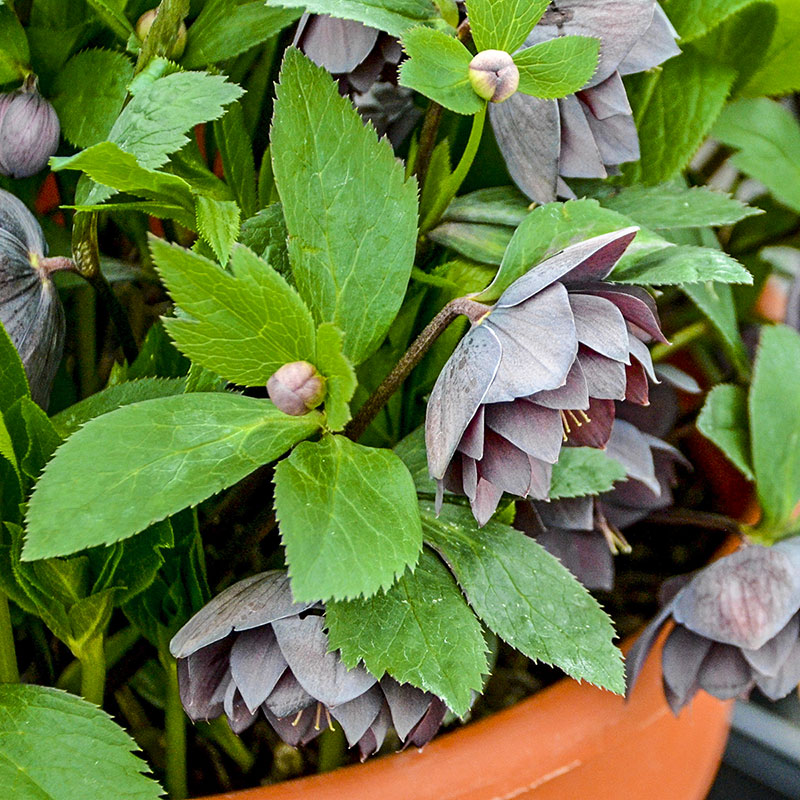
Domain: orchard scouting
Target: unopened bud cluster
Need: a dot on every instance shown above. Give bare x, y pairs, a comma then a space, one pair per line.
296, 388
494, 75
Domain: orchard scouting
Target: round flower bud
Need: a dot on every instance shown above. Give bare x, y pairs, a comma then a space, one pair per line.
29, 131
493, 75
296, 388
146, 22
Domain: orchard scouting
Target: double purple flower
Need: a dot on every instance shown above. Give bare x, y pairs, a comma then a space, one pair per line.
253, 650
540, 368
737, 626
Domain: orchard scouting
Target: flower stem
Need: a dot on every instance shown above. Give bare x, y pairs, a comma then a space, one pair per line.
93, 669
9, 672
427, 142
174, 732
412, 357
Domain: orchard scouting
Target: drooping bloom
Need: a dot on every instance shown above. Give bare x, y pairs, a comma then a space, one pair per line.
584, 533
253, 649
737, 625
542, 367
30, 308
583, 135
29, 131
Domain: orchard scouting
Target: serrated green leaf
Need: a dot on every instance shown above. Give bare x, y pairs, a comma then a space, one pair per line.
55, 746
768, 139
33, 435
696, 18
780, 71
236, 151
438, 67
265, 234
348, 518
420, 631
774, 404
243, 324
218, 224
14, 53
503, 24
558, 67
525, 596
723, 420
411, 450
7, 446
682, 264
112, 13
226, 28
676, 110
92, 79
584, 470
475, 240
339, 375
437, 182
672, 206
158, 357
339, 185
13, 383
392, 16
173, 451
122, 394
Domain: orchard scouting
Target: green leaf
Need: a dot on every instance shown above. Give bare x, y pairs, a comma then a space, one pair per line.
14, 53
420, 631
780, 71
558, 67
13, 383
438, 67
348, 518
525, 596
351, 215
554, 226
33, 435
584, 470
676, 110
392, 16
243, 324
723, 420
682, 264
475, 240
503, 24
775, 424
236, 150
92, 79
7, 446
339, 374
768, 139
55, 746
218, 224
411, 450
122, 394
226, 28
499, 205
112, 13
165, 455
696, 18
672, 206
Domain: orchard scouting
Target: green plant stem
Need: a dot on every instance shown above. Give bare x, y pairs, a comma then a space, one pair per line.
460, 172
332, 746
174, 732
410, 359
9, 672
680, 339
93, 669
427, 143
85, 309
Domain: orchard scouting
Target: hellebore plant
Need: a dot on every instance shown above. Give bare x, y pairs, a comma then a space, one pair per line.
316, 432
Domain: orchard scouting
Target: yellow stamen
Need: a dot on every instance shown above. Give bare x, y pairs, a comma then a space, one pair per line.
296, 720
316, 721
328, 715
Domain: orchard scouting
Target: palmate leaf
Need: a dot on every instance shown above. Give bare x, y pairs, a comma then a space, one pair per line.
525, 596
350, 213
420, 631
584, 470
171, 451
558, 67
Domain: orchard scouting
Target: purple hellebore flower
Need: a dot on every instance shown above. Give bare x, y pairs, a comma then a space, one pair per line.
30, 308
584, 532
737, 625
543, 366
253, 648
583, 135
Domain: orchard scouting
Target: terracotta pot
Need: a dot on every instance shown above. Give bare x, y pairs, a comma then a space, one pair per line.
568, 742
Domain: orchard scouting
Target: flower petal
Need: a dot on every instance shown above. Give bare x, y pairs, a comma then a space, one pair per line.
655, 46
605, 377
607, 99
338, 45
681, 659
407, 704
530, 427
600, 325
573, 394
631, 448
580, 156
771, 656
356, 715
724, 672
256, 665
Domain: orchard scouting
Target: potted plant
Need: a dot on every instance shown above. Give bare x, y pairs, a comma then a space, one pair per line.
340, 357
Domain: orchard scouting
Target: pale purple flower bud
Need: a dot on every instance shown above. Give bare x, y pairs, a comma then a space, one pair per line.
296, 388
146, 22
29, 131
494, 75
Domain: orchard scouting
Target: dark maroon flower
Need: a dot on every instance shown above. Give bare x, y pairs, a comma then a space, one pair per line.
583, 135
30, 308
737, 625
252, 648
542, 367
29, 131
584, 533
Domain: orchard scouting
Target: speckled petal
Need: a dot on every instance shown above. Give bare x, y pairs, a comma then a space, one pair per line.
471, 443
